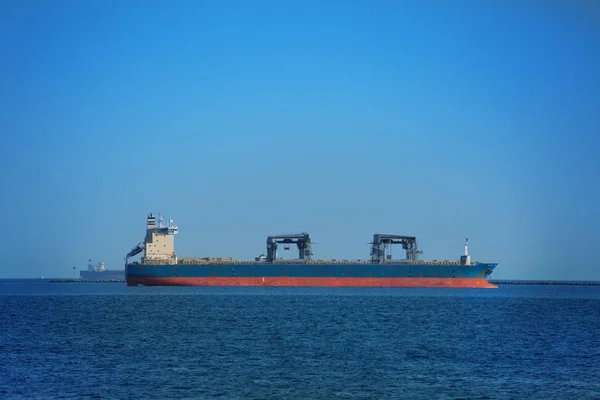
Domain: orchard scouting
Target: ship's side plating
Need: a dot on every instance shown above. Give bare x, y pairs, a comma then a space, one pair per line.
160, 266
313, 274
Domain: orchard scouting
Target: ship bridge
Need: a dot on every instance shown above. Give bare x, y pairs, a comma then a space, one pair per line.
158, 245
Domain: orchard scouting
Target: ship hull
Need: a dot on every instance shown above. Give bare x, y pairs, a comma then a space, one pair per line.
312, 275
318, 282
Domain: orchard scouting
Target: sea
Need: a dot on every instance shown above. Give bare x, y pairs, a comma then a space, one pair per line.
110, 341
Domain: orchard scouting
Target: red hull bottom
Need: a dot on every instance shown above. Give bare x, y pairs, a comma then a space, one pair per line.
317, 282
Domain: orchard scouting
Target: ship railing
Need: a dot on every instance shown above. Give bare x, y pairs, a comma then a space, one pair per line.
159, 261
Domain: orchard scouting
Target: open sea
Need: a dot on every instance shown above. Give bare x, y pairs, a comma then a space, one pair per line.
109, 341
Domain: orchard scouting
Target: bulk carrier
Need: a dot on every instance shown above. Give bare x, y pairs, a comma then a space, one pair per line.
160, 266
98, 272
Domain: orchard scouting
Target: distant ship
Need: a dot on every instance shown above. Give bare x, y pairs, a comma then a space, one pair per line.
100, 273
160, 266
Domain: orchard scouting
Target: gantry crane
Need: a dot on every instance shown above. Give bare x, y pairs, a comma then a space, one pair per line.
302, 240
381, 241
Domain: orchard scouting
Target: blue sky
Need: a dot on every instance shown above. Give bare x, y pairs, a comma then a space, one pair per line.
239, 119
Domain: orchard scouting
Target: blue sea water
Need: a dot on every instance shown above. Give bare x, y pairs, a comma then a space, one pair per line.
109, 341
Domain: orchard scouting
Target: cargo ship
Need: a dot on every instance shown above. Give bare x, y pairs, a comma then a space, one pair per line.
98, 272
159, 265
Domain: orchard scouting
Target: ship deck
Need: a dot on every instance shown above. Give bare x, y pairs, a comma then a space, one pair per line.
221, 261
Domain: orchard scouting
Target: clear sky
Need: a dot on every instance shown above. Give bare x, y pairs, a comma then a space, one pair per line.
240, 119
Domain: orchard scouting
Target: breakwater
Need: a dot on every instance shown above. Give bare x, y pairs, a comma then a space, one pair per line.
493, 281
68, 280
541, 282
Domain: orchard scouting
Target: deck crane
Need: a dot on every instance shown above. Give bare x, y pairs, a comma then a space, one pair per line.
381, 241
301, 240
135, 251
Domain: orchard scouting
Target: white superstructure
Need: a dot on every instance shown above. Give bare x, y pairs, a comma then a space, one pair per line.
159, 244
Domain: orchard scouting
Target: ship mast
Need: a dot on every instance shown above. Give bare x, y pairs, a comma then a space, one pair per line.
466, 258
